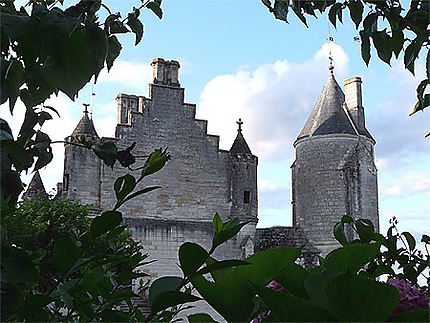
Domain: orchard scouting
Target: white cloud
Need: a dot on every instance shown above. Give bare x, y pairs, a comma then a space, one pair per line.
412, 182
273, 101
133, 75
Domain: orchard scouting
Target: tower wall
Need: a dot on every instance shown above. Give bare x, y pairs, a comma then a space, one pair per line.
243, 179
331, 179
81, 178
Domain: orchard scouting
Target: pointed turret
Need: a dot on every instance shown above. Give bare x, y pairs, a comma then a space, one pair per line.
243, 178
36, 188
328, 115
239, 145
85, 126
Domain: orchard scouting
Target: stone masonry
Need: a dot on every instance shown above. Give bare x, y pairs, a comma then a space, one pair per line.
333, 174
199, 180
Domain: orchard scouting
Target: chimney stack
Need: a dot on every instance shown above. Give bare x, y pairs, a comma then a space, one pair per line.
165, 72
353, 100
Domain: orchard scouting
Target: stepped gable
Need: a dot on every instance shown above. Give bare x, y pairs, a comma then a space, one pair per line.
85, 125
328, 115
36, 187
239, 145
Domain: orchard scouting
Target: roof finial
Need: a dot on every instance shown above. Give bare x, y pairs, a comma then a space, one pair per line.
86, 105
330, 41
239, 123
330, 64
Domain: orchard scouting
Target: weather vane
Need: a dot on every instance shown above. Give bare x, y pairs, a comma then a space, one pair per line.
86, 105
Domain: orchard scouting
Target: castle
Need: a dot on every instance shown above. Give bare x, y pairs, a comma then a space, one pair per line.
333, 174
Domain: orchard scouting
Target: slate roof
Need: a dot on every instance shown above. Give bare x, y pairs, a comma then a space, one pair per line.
274, 237
85, 126
239, 145
328, 115
36, 187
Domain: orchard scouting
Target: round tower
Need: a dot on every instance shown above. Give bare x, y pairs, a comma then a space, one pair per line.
334, 172
81, 178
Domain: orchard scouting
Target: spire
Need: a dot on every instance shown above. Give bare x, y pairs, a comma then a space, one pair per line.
85, 125
36, 187
328, 115
239, 145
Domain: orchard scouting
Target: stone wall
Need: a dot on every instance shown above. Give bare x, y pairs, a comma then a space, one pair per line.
334, 175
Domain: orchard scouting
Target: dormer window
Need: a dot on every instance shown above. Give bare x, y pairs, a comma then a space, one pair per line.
246, 197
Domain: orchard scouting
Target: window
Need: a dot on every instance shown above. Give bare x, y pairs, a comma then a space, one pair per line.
66, 182
246, 197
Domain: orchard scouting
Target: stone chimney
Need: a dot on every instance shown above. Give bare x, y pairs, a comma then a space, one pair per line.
165, 72
353, 101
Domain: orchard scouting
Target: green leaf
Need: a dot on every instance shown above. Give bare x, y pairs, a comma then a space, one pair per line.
339, 233
410, 239
356, 11
293, 280
34, 307
17, 266
97, 284
114, 316
370, 24
411, 316
383, 45
140, 192
228, 231
280, 10
298, 11
200, 318
231, 297
289, 308
267, 3
335, 12
117, 27
428, 64
217, 223
155, 8
136, 27
365, 47
74, 68
352, 298
105, 222
113, 51
155, 162
397, 41
409, 58
123, 186
98, 47
14, 78
171, 298
220, 265
163, 285
351, 257
365, 229
107, 152
191, 258
65, 254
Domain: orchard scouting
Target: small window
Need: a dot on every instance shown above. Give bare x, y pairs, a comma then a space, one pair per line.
246, 197
66, 182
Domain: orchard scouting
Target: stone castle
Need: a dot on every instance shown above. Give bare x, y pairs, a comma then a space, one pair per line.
333, 174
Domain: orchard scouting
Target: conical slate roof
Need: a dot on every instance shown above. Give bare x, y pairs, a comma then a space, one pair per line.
85, 126
239, 145
328, 115
36, 187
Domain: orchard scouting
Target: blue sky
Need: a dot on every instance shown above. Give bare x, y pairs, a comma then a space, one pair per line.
238, 61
